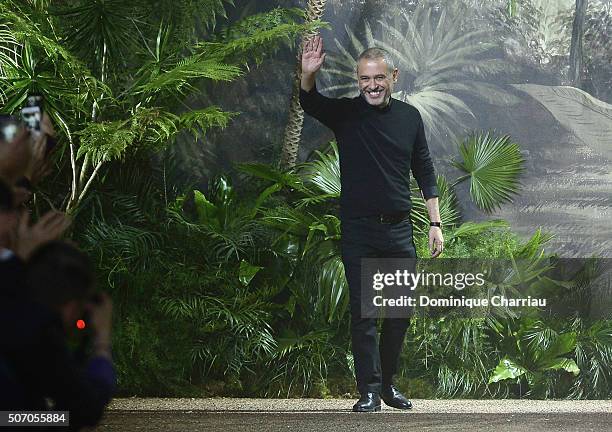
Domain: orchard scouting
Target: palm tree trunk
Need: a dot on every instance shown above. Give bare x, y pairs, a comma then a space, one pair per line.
575, 66
293, 130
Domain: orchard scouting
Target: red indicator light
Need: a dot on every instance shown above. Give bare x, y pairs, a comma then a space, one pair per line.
80, 324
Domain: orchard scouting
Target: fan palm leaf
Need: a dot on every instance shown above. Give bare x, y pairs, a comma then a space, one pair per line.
493, 165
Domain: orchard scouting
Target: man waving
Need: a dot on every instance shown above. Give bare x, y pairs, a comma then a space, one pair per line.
380, 140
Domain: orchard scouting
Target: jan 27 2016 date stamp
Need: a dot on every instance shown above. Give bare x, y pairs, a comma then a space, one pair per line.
34, 418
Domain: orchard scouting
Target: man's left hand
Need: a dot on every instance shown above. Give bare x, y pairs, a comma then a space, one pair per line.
436, 241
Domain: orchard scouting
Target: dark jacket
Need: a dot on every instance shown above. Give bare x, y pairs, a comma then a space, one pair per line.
36, 364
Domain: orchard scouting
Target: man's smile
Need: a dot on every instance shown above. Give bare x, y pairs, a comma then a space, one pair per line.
375, 94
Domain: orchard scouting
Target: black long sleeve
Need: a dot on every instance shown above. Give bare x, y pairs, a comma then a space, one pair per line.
378, 148
422, 165
328, 111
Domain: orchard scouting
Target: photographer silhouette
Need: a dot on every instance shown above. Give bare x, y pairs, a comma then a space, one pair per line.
36, 365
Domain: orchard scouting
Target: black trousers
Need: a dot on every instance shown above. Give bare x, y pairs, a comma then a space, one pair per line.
375, 362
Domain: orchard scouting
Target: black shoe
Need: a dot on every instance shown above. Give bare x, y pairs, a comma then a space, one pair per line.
392, 397
368, 402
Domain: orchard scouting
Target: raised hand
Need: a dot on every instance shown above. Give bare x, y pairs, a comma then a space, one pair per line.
49, 227
312, 55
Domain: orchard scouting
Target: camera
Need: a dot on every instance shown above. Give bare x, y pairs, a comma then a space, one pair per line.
31, 116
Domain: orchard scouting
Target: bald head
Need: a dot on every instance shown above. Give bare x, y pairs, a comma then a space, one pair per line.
376, 76
376, 53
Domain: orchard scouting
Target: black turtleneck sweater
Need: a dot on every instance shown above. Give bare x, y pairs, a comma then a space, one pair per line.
378, 147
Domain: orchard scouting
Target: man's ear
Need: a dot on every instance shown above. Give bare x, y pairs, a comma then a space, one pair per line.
395, 74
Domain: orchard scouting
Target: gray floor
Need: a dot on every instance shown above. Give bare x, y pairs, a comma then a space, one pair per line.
347, 421
295, 415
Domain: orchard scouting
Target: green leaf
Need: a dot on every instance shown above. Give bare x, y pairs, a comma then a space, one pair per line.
264, 196
449, 213
105, 141
511, 7
563, 344
333, 288
186, 72
247, 272
566, 364
286, 179
101, 30
493, 165
324, 172
199, 121
207, 212
467, 229
506, 369
256, 36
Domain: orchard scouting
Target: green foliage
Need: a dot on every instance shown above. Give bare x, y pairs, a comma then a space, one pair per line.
9, 46
447, 203
493, 166
199, 121
179, 78
241, 282
533, 351
593, 353
300, 359
101, 30
149, 359
116, 77
107, 141
246, 38
232, 333
323, 173
253, 283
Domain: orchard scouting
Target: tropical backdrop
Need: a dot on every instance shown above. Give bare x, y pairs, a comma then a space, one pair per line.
209, 203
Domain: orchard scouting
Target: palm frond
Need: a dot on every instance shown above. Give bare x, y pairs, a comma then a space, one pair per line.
24, 30
449, 212
324, 172
122, 245
472, 228
333, 289
493, 165
101, 31
288, 179
105, 141
199, 121
10, 49
182, 76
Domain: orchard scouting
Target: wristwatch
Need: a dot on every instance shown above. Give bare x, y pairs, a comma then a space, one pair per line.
435, 224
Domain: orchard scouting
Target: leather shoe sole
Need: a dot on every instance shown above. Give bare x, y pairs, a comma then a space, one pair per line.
397, 405
374, 409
